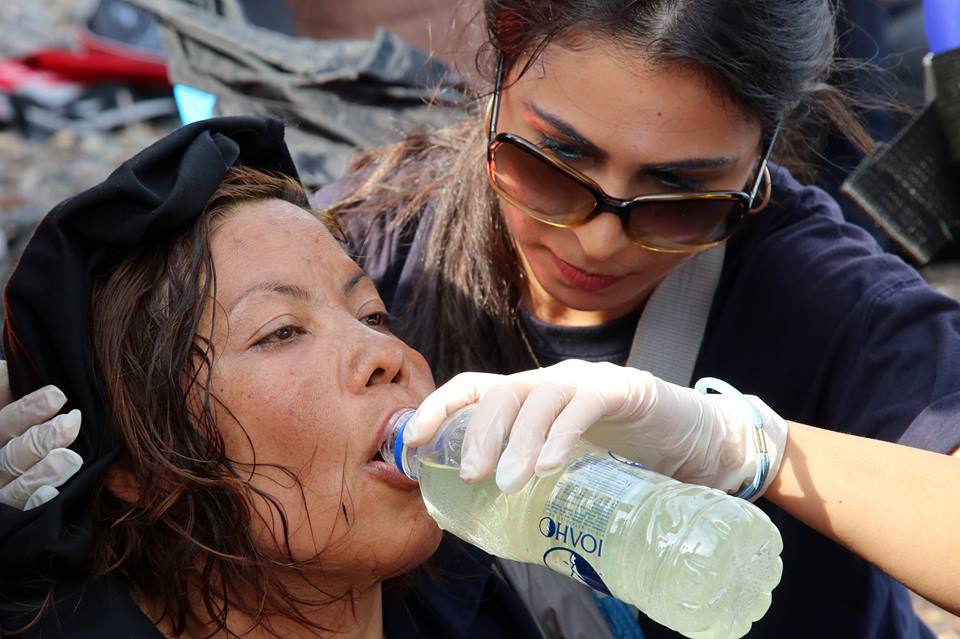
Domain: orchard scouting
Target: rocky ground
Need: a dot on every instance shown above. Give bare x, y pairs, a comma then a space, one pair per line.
36, 174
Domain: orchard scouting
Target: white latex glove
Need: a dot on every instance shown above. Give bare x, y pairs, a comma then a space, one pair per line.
695, 438
34, 459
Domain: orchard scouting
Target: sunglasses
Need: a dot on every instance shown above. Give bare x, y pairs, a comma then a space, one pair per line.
550, 191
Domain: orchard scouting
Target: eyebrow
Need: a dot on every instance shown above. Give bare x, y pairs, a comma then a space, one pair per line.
351, 284
279, 288
692, 163
292, 291
570, 132
566, 129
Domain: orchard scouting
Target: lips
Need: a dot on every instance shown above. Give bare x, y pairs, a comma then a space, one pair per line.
390, 474
578, 278
378, 467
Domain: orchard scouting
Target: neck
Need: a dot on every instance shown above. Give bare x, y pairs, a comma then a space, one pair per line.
553, 312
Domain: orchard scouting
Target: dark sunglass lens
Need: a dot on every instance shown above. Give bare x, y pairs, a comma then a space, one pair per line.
547, 192
684, 223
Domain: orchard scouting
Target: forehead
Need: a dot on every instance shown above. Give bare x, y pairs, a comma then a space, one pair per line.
620, 100
276, 237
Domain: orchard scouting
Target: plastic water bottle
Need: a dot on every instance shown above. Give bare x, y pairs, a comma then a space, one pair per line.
692, 558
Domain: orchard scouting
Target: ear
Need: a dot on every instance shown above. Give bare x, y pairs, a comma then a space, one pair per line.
121, 482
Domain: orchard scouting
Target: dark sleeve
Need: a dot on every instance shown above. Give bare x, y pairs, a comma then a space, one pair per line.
390, 255
904, 362
815, 319
328, 195
457, 595
102, 609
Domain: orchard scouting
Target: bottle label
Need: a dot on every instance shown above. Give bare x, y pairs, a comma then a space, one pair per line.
578, 513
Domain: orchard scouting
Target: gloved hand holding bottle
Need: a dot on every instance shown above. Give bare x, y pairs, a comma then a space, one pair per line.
34, 459
708, 439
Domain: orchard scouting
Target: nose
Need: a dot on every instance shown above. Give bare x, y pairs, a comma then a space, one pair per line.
378, 360
601, 238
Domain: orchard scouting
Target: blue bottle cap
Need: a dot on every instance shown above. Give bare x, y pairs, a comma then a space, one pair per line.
398, 440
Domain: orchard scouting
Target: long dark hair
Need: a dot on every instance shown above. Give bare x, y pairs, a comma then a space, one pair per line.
773, 57
188, 530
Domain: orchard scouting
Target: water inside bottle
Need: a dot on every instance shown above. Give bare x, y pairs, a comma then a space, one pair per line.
692, 558
587, 524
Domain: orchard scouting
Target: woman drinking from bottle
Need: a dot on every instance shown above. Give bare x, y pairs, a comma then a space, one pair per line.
235, 373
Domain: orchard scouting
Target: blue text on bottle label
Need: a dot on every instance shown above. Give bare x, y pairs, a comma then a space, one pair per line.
578, 513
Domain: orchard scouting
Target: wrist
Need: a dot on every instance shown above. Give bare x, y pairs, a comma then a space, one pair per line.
752, 444
774, 433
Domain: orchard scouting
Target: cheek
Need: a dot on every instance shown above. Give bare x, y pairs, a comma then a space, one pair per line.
525, 231
268, 407
646, 268
421, 377
267, 417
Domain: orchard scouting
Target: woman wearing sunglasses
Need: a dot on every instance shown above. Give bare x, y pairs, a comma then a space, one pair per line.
623, 195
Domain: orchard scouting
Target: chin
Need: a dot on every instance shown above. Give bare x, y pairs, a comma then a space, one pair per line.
603, 300
367, 555
424, 539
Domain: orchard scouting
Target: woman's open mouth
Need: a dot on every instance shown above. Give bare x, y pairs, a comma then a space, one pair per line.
389, 473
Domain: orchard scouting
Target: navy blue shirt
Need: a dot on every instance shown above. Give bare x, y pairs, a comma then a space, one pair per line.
456, 595
811, 316
607, 342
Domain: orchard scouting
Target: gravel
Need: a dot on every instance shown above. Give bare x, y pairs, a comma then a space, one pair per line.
38, 173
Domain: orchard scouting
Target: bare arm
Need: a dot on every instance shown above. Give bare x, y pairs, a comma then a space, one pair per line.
897, 507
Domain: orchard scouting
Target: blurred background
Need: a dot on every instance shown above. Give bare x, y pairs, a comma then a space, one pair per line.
84, 84
62, 133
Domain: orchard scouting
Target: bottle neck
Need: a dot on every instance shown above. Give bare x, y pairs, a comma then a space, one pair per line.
395, 451
443, 450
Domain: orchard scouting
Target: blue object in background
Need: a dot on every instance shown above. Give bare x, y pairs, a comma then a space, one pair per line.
193, 104
941, 20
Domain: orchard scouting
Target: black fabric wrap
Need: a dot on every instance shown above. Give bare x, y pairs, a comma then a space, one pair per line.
47, 324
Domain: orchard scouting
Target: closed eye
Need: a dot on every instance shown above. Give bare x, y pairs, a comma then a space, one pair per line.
562, 150
676, 182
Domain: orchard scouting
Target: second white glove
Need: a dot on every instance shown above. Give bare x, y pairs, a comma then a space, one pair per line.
34, 459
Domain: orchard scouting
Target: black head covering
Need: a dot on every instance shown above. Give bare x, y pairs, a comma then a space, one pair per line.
47, 324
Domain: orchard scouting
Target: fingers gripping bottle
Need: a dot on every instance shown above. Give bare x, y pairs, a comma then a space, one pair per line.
692, 558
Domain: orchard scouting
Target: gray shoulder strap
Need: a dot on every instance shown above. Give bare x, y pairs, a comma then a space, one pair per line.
672, 325
666, 343
562, 607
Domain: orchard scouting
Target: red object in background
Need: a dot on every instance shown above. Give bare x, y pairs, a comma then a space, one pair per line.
99, 60
94, 66
15, 75
117, 76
